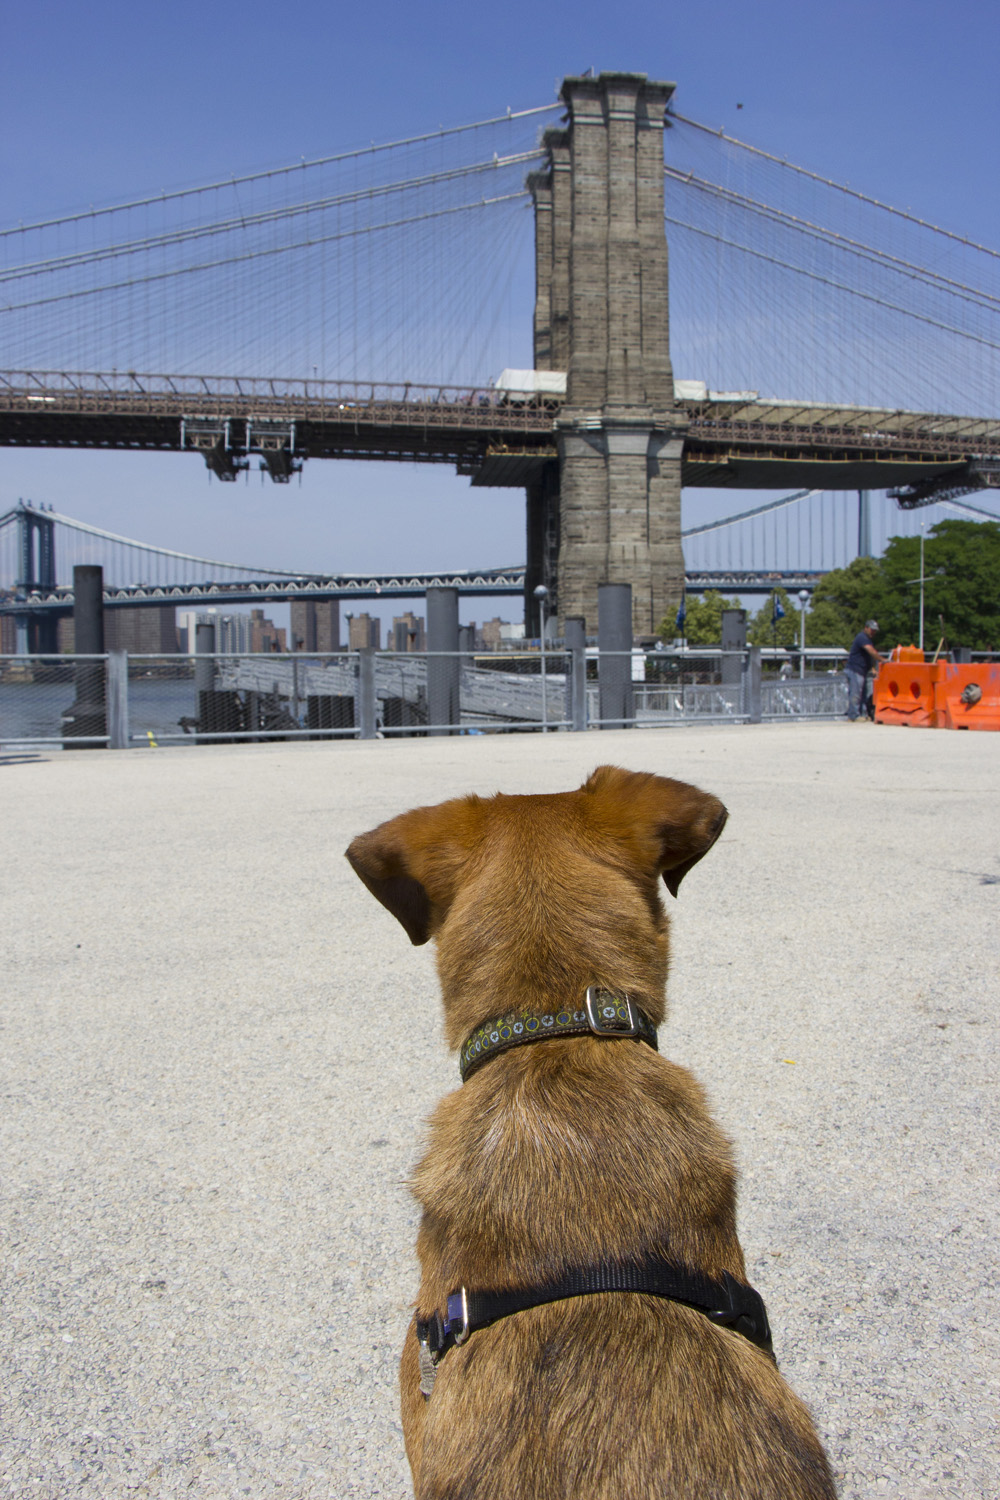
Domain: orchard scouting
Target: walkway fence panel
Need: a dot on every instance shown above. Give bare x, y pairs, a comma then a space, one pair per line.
125, 700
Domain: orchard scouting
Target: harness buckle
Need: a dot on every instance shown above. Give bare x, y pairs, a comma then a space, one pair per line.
745, 1314
609, 1014
457, 1321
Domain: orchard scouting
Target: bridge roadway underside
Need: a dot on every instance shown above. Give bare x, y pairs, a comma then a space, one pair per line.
496, 445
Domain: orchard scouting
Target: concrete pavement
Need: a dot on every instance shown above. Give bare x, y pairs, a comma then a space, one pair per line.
206, 1128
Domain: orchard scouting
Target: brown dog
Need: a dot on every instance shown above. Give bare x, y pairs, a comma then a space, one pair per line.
574, 1165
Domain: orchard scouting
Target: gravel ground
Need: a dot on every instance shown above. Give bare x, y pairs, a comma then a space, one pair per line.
205, 1139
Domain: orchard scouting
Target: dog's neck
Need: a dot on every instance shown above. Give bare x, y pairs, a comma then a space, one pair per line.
603, 1013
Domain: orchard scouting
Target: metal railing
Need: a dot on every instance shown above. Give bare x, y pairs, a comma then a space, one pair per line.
122, 700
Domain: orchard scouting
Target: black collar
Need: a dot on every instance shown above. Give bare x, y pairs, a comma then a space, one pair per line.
602, 1013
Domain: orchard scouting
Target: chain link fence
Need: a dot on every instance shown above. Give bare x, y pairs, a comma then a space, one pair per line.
122, 700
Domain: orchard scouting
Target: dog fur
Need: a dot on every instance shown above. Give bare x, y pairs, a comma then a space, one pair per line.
571, 1151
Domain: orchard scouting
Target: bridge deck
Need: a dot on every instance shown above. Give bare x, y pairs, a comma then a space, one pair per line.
497, 437
486, 584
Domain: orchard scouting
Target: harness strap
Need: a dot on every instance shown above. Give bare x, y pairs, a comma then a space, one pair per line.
728, 1302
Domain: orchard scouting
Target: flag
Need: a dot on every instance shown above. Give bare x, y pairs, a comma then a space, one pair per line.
681, 617
777, 612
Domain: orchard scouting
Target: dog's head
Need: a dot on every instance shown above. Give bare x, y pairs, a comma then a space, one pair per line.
543, 894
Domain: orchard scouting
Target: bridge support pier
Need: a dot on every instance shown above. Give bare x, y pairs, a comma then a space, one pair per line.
36, 545
601, 313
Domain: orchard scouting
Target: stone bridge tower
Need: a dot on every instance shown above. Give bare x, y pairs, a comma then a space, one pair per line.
609, 510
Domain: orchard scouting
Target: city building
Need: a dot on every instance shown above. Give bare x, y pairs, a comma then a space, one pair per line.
408, 633
150, 631
496, 633
265, 635
315, 625
236, 633
363, 631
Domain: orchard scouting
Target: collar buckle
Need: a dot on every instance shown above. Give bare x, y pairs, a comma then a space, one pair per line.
457, 1322
609, 1014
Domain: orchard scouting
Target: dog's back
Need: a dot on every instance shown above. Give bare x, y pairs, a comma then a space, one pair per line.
576, 1152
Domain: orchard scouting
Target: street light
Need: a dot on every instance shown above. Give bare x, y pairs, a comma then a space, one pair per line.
541, 594
803, 601
921, 642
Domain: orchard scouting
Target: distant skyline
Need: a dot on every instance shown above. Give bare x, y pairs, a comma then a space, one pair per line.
102, 102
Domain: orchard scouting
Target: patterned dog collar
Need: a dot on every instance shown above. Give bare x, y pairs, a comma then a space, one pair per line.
603, 1014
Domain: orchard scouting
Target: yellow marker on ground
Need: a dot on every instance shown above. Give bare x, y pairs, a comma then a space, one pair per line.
149, 736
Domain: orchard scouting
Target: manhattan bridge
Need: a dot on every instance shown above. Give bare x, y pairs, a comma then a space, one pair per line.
497, 297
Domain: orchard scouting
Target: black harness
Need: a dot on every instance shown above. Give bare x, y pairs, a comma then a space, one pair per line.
727, 1302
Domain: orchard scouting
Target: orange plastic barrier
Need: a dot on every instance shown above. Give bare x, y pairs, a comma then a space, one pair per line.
937, 695
904, 689
956, 703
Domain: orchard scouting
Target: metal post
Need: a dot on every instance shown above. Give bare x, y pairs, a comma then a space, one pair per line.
204, 667
751, 685
921, 641
864, 523
803, 601
576, 650
86, 716
614, 644
734, 638
366, 693
118, 726
443, 676
541, 594
204, 673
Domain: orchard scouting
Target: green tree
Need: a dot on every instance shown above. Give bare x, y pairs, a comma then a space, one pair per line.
841, 603
961, 589
703, 624
763, 630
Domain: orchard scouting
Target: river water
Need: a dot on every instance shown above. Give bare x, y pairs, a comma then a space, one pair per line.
31, 711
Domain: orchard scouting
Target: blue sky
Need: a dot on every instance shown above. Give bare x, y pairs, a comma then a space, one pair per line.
104, 101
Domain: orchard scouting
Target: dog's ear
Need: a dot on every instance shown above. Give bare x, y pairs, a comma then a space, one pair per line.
379, 858
412, 863
667, 826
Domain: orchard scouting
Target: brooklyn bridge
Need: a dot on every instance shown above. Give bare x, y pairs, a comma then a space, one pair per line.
807, 338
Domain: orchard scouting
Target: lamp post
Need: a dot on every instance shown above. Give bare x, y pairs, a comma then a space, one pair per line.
803, 601
541, 594
921, 641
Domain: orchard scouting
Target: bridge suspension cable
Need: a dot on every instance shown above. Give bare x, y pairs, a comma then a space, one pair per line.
126, 541
787, 283
747, 515
125, 560
248, 255
840, 286
866, 252
810, 531
367, 264
841, 187
272, 172
248, 221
